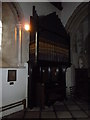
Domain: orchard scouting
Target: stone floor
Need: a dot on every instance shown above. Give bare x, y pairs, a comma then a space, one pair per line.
70, 109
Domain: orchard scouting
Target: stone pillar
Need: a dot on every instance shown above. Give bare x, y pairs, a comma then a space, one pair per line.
19, 44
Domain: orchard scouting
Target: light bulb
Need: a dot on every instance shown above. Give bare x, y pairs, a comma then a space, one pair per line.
27, 27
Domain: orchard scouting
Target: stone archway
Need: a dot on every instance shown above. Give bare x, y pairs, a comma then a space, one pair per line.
72, 26
77, 26
11, 16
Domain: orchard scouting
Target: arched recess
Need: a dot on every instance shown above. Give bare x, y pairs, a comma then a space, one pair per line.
73, 25
11, 16
17, 11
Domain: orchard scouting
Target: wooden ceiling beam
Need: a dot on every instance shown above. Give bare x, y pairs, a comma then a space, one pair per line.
57, 5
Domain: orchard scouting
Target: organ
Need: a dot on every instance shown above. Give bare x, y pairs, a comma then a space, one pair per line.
49, 56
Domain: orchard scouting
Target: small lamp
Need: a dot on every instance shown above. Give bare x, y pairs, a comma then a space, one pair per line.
27, 27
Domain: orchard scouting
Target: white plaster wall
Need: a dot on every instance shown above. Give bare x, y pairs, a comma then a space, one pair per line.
17, 91
68, 9
0, 33
42, 8
9, 52
0, 92
13, 93
70, 78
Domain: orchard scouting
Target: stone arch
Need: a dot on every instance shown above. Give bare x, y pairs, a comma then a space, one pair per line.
75, 19
80, 13
11, 16
17, 11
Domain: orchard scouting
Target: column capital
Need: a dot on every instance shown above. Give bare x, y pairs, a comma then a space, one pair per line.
19, 25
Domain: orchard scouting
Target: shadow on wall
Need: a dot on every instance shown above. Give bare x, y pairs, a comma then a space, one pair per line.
88, 52
3, 64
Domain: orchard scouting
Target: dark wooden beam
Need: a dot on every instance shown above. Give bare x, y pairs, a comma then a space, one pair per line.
57, 5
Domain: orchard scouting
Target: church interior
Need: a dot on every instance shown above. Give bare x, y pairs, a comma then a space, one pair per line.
44, 60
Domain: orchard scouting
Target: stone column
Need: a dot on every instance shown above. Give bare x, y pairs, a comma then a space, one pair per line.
19, 44
0, 39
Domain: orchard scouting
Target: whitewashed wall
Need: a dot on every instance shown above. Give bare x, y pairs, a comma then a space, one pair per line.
0, 91
17, 91
70, 78
68, 9
42, 8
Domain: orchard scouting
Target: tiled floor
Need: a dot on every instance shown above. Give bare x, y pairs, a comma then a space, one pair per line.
68, 109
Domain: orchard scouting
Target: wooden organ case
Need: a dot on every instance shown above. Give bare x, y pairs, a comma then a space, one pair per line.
49, 56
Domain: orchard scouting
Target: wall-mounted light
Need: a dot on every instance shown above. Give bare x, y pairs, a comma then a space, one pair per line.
27, 27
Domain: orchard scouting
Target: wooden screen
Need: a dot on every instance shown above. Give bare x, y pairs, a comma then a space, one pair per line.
49, 41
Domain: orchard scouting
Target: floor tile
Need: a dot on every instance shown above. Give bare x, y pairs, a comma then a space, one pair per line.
81, 102
60, 108
88, 112
34, 109
58, 103
79, 114
84, 107
83, 119
63, 114
73, 107
32, 114
19, 114
48, 108
69, 102
48, 115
